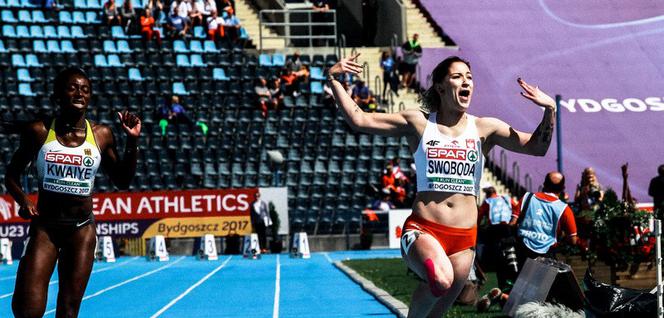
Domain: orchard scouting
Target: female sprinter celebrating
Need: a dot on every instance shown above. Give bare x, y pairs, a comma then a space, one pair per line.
67, 152
448, 146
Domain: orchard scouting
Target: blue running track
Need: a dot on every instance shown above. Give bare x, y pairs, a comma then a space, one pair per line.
229, 287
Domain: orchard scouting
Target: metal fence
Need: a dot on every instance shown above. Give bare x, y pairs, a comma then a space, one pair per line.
300, 28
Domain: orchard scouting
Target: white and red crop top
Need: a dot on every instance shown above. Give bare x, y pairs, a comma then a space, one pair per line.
447, 164
69, 170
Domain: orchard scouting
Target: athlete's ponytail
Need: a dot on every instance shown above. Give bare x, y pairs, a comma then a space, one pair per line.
430, 99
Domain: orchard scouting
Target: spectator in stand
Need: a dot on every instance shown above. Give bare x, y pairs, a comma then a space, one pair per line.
320, 8
656, 191
383, 203
302, 74
260, 220
51, 5
112, 13
179, 113
157, 10
500, 236
215, 26
363, 96
387, 179
182, 8
265, 99
296, 61
195, 16
275, 90
589, 192
177, 26
232, 24
147, 27
205, 7
412, 52
542, 219
387, 64
396, 170
399, 194
128, 16
290, 84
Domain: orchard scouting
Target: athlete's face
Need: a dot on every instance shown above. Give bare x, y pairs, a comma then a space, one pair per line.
457, 86
77, 93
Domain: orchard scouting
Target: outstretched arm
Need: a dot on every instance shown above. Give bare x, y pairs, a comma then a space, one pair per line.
121, 171
27, 151
372, 123
536, 143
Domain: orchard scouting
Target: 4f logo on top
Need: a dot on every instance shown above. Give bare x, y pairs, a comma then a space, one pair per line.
433, 143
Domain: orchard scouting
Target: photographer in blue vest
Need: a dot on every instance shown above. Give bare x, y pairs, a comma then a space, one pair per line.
543, 219
499, 235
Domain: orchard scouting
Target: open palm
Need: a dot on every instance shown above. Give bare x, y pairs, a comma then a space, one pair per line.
534, 94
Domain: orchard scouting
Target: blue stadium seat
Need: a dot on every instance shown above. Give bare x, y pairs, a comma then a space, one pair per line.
182, 60
135, 74
91, 17
197, 61
278, 59
196, 46
23, 75
316, 73
80, 4
36, 31
24, 16
25, 89
264, 60
123, 46
18, 60
180, 47
38, 17
210, 47
100, 60
8, 17
78, 17
39, 46
52, 46
27, 4
63, 32
14, 3
50, 32
2, 47
31, 60
244, 35
179, 89
114, 61
199, 33
77, 32
109, 47
8, 31
22, 31
65, 17
96, 4
117, 32
316, 87
67, 47
218, 74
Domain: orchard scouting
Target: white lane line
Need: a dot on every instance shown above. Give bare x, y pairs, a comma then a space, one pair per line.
328, 257
126, 282
93, 272
192, 287
554, 16
277, 290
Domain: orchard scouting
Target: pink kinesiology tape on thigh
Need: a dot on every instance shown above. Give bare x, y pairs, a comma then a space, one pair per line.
431, 275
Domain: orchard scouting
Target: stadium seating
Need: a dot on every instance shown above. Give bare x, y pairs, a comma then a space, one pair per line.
327, 166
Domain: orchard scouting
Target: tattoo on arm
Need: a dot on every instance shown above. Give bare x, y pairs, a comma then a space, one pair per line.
544, 131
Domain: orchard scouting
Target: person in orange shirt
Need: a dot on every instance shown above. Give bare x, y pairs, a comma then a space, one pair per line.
147, 27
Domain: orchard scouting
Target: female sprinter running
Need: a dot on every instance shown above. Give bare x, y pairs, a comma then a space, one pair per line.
448, 147
67, 151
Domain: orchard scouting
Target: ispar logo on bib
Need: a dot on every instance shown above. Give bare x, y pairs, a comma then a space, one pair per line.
88, 162
472, 155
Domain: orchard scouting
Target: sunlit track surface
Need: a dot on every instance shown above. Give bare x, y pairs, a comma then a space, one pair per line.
229, 287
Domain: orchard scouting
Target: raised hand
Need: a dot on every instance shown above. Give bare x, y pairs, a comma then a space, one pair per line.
534, 94
346, 65
131, 124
